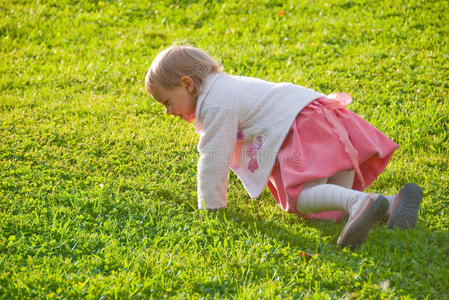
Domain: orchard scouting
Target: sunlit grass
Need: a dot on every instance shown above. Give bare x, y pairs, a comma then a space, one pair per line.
98, 186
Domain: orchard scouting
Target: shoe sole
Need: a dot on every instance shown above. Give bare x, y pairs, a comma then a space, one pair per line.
405, 215
353, 235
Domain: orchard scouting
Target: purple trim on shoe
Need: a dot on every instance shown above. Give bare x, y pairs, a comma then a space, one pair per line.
358, 227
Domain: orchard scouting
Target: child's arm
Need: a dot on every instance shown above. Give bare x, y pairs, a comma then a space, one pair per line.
216, 145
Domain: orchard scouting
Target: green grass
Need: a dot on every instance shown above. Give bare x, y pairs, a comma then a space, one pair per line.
98, 187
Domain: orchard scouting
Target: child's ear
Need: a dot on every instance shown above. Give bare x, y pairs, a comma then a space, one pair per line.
188, 83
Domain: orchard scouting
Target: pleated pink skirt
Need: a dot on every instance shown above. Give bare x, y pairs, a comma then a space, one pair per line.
324, 139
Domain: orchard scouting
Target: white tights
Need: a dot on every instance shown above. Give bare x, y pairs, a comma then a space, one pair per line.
334, 193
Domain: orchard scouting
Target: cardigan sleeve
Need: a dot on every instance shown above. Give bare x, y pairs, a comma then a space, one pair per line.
216, 144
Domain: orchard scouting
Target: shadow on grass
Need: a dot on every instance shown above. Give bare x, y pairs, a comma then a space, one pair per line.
406, 261
284, 229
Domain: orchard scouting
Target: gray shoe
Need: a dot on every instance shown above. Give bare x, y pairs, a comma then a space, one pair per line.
359, 225
404, 212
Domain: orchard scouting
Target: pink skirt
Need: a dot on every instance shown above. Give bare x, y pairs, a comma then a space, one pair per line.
324, 139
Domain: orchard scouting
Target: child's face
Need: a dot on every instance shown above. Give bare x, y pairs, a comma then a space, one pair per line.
179, 101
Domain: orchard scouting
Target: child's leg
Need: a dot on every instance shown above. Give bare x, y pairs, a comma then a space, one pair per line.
403, 207
326, 197
364, 209
346, 179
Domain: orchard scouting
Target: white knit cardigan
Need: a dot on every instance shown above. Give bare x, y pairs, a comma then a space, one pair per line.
242, 123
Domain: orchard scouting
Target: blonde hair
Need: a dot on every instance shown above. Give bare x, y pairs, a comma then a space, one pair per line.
173, 63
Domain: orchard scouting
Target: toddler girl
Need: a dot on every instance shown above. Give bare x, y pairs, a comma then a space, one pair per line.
315, 156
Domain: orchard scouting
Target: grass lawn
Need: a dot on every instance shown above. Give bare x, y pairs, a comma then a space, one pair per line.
98, 186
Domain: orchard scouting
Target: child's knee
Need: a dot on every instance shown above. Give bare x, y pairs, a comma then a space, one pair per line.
315, 182
343, 178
